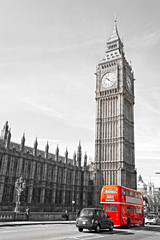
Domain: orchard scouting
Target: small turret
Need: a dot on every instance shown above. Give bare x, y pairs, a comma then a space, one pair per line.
57, 153
5, 131
35, 148
8, 139
74, 159
79, 154
140, 178
22, 143
66, 156
85, 160
46, 150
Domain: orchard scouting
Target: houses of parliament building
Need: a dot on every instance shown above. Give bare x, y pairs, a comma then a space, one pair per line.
54, 182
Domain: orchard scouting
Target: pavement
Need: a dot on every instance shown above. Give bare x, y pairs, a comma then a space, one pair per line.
22, 223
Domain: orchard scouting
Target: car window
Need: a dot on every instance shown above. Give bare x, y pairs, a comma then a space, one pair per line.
151, 216
102, 214
98, 213
86, 213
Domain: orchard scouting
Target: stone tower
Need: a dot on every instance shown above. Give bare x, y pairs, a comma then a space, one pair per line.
114, 142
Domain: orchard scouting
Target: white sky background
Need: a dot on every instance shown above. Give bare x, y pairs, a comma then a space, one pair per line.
49, 50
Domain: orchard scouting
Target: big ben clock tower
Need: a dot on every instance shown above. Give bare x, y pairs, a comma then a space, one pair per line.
114, 143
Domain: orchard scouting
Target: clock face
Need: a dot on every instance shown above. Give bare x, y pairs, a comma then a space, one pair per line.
108, 79
128, 80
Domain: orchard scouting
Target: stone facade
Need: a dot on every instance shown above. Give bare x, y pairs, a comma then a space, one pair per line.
114, 143
53, 182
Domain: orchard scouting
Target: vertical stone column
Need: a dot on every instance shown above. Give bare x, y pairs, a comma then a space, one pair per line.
43, 183
78, 194
54, 184
73, 183
32, 174
64, 186
44, 175
79, 171
42, 194
31, 181
3, 171
85, 183
64, 183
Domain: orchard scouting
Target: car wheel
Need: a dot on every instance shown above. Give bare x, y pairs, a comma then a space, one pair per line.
80, 229
97, 228
128, 223
111, 227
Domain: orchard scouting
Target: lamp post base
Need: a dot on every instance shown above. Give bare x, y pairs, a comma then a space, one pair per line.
17, 208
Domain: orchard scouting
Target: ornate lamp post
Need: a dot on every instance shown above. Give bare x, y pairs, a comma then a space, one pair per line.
20, 185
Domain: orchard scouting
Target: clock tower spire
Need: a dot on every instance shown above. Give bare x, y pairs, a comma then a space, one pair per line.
115, 34
114, 142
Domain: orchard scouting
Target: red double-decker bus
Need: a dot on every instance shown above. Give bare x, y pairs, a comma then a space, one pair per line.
123, 205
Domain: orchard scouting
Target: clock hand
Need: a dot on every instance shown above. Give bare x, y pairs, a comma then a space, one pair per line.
108, 79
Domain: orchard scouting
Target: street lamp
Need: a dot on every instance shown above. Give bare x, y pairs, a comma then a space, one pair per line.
20, 185
73, 204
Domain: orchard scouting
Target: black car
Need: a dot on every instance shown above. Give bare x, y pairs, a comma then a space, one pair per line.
93, 219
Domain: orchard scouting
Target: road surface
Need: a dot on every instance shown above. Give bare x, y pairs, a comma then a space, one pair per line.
69, 231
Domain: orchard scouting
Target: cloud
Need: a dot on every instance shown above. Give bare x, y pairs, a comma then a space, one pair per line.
50, 49
76, 120
46, 109
6, 86
145, 40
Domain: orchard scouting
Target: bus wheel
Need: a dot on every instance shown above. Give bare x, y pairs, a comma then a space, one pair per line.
80, 229
128, 223
97, 228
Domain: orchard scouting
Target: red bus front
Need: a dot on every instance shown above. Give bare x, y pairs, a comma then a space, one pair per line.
110, 198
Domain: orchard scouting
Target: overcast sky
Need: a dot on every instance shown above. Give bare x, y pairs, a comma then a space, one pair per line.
49, 50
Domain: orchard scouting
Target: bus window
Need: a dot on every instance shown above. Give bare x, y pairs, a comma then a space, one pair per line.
107, 207
113, 208
132, 194
128, 209
123, 192
127, 193
138, 210
110, 190
109, 196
